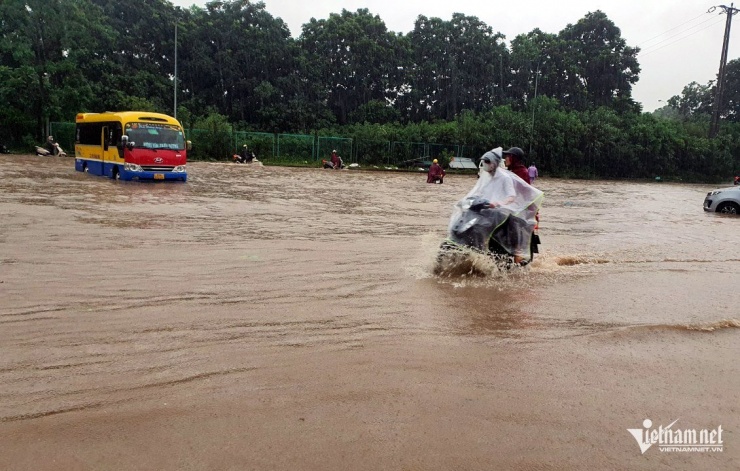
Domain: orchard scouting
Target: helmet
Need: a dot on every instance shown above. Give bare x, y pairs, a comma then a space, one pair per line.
515, 151
244, 145
434, 161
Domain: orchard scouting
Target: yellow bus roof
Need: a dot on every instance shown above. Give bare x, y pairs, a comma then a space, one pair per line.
126, 117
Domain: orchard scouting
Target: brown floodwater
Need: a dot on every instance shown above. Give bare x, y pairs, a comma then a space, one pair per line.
285, 318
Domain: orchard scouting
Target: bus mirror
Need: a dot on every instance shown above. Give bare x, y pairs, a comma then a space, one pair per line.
189, 145
124, 141
131, 145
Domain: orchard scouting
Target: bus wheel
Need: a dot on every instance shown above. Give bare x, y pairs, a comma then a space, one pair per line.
116, 174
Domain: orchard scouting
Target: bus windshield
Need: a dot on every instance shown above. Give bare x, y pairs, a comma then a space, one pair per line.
155, 136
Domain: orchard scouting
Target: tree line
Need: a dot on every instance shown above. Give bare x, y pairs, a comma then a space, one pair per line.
567, 97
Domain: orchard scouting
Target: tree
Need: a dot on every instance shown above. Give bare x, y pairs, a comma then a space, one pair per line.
731, 94
47, 51
140, 59
355, 59
695, 99
545, 61
240, 59
600, 60
457, 65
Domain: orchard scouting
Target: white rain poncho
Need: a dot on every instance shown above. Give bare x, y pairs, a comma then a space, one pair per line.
520, 204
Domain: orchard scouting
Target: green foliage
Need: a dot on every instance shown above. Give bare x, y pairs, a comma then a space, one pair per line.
453, 67
451, 87
355, 60
212, 138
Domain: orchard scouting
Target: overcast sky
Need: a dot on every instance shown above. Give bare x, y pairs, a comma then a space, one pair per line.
680, 41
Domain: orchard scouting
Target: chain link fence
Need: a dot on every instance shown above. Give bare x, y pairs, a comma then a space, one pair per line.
220, 145
342, 145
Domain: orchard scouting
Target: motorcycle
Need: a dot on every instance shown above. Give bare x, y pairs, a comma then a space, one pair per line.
241, 159
478, 230
497, 234
46, 152
328, 164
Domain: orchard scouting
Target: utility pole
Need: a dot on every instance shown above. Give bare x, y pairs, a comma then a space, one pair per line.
729, 11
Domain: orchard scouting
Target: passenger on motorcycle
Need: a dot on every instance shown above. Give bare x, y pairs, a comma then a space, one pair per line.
514, 160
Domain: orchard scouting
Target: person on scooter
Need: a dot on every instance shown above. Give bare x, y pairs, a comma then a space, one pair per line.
336, 161
52, 147
436, 173
246, 155
514, 160
497, 187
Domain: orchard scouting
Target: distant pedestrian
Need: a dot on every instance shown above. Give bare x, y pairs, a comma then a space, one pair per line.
533, 173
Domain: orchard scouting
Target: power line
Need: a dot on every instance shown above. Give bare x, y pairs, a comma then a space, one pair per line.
642, 54
675, 27
684, 31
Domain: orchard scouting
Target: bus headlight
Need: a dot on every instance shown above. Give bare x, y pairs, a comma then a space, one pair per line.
179, 169
132, 167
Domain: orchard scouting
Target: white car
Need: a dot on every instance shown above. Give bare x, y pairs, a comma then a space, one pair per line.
723, 200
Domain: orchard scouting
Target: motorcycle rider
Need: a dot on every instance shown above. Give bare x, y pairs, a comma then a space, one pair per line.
51, 147
514, 160
246, 155
497, 187
336, 161
436, 173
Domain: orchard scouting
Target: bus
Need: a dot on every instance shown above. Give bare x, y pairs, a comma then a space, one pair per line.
131, 145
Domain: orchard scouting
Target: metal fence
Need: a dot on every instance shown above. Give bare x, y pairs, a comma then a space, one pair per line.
302, 147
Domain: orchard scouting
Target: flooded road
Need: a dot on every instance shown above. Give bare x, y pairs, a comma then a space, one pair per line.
276, 318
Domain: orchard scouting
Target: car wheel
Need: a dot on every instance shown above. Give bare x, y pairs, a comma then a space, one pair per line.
728, 208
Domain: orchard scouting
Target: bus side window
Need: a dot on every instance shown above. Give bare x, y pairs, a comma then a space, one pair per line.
116, 134
106, 137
